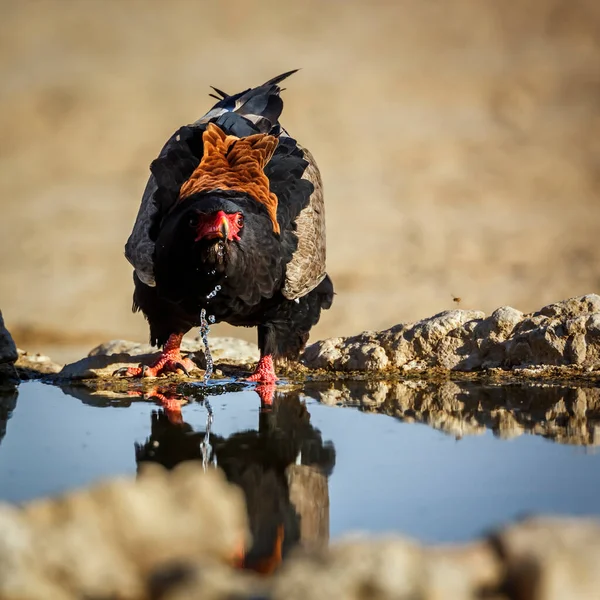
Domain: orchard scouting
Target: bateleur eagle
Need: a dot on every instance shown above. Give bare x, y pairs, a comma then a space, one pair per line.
233, 204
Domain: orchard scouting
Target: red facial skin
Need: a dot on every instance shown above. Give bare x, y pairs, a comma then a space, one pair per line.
219, 225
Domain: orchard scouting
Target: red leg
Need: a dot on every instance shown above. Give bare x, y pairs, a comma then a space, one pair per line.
265, 371
169, 361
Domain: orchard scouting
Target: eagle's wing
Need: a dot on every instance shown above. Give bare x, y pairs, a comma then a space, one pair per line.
307, 268
139, 249
176, 162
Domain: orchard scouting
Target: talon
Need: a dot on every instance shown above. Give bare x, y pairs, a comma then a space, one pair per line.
170, 360
128, 372
180, 365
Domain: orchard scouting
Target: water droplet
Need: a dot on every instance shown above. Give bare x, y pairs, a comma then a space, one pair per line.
214, 292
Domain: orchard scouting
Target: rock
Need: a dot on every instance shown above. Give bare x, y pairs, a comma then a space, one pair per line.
228, 350
389, 569
100, 366
353, 570
118, 538
8, 355
31, 366
114, 347
562, 334
209, 582
222, 348
539, 559
8, 350
573, 307
103, 360
461, 572
552, 559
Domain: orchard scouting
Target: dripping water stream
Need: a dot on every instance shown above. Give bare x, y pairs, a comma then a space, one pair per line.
204, 331
205, 323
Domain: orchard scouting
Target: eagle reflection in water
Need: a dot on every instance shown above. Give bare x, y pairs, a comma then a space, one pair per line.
282, 467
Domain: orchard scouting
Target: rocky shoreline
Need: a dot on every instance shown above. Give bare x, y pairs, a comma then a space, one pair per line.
560, 341
563, 334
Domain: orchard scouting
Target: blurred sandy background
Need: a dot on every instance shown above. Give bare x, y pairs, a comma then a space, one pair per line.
459, 142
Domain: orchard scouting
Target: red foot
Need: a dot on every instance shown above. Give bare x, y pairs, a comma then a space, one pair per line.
265, 371
170, 361
181, 365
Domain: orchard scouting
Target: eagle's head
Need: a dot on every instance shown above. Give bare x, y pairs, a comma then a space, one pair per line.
205, 229
219, 226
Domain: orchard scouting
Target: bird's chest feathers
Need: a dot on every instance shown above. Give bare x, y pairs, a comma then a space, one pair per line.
224, 278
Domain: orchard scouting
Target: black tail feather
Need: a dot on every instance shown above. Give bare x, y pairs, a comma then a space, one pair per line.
280, 78
266, 88
221, 93
260, 105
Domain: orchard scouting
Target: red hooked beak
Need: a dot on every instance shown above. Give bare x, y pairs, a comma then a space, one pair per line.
218, 225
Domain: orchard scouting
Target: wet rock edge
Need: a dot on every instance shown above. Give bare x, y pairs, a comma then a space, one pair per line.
560, 342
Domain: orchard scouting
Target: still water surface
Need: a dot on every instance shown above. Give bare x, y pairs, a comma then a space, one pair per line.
384, 472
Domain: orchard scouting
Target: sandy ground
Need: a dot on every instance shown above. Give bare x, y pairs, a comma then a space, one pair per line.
459, 143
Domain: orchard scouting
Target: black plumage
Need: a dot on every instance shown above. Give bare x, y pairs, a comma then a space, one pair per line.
273, 280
